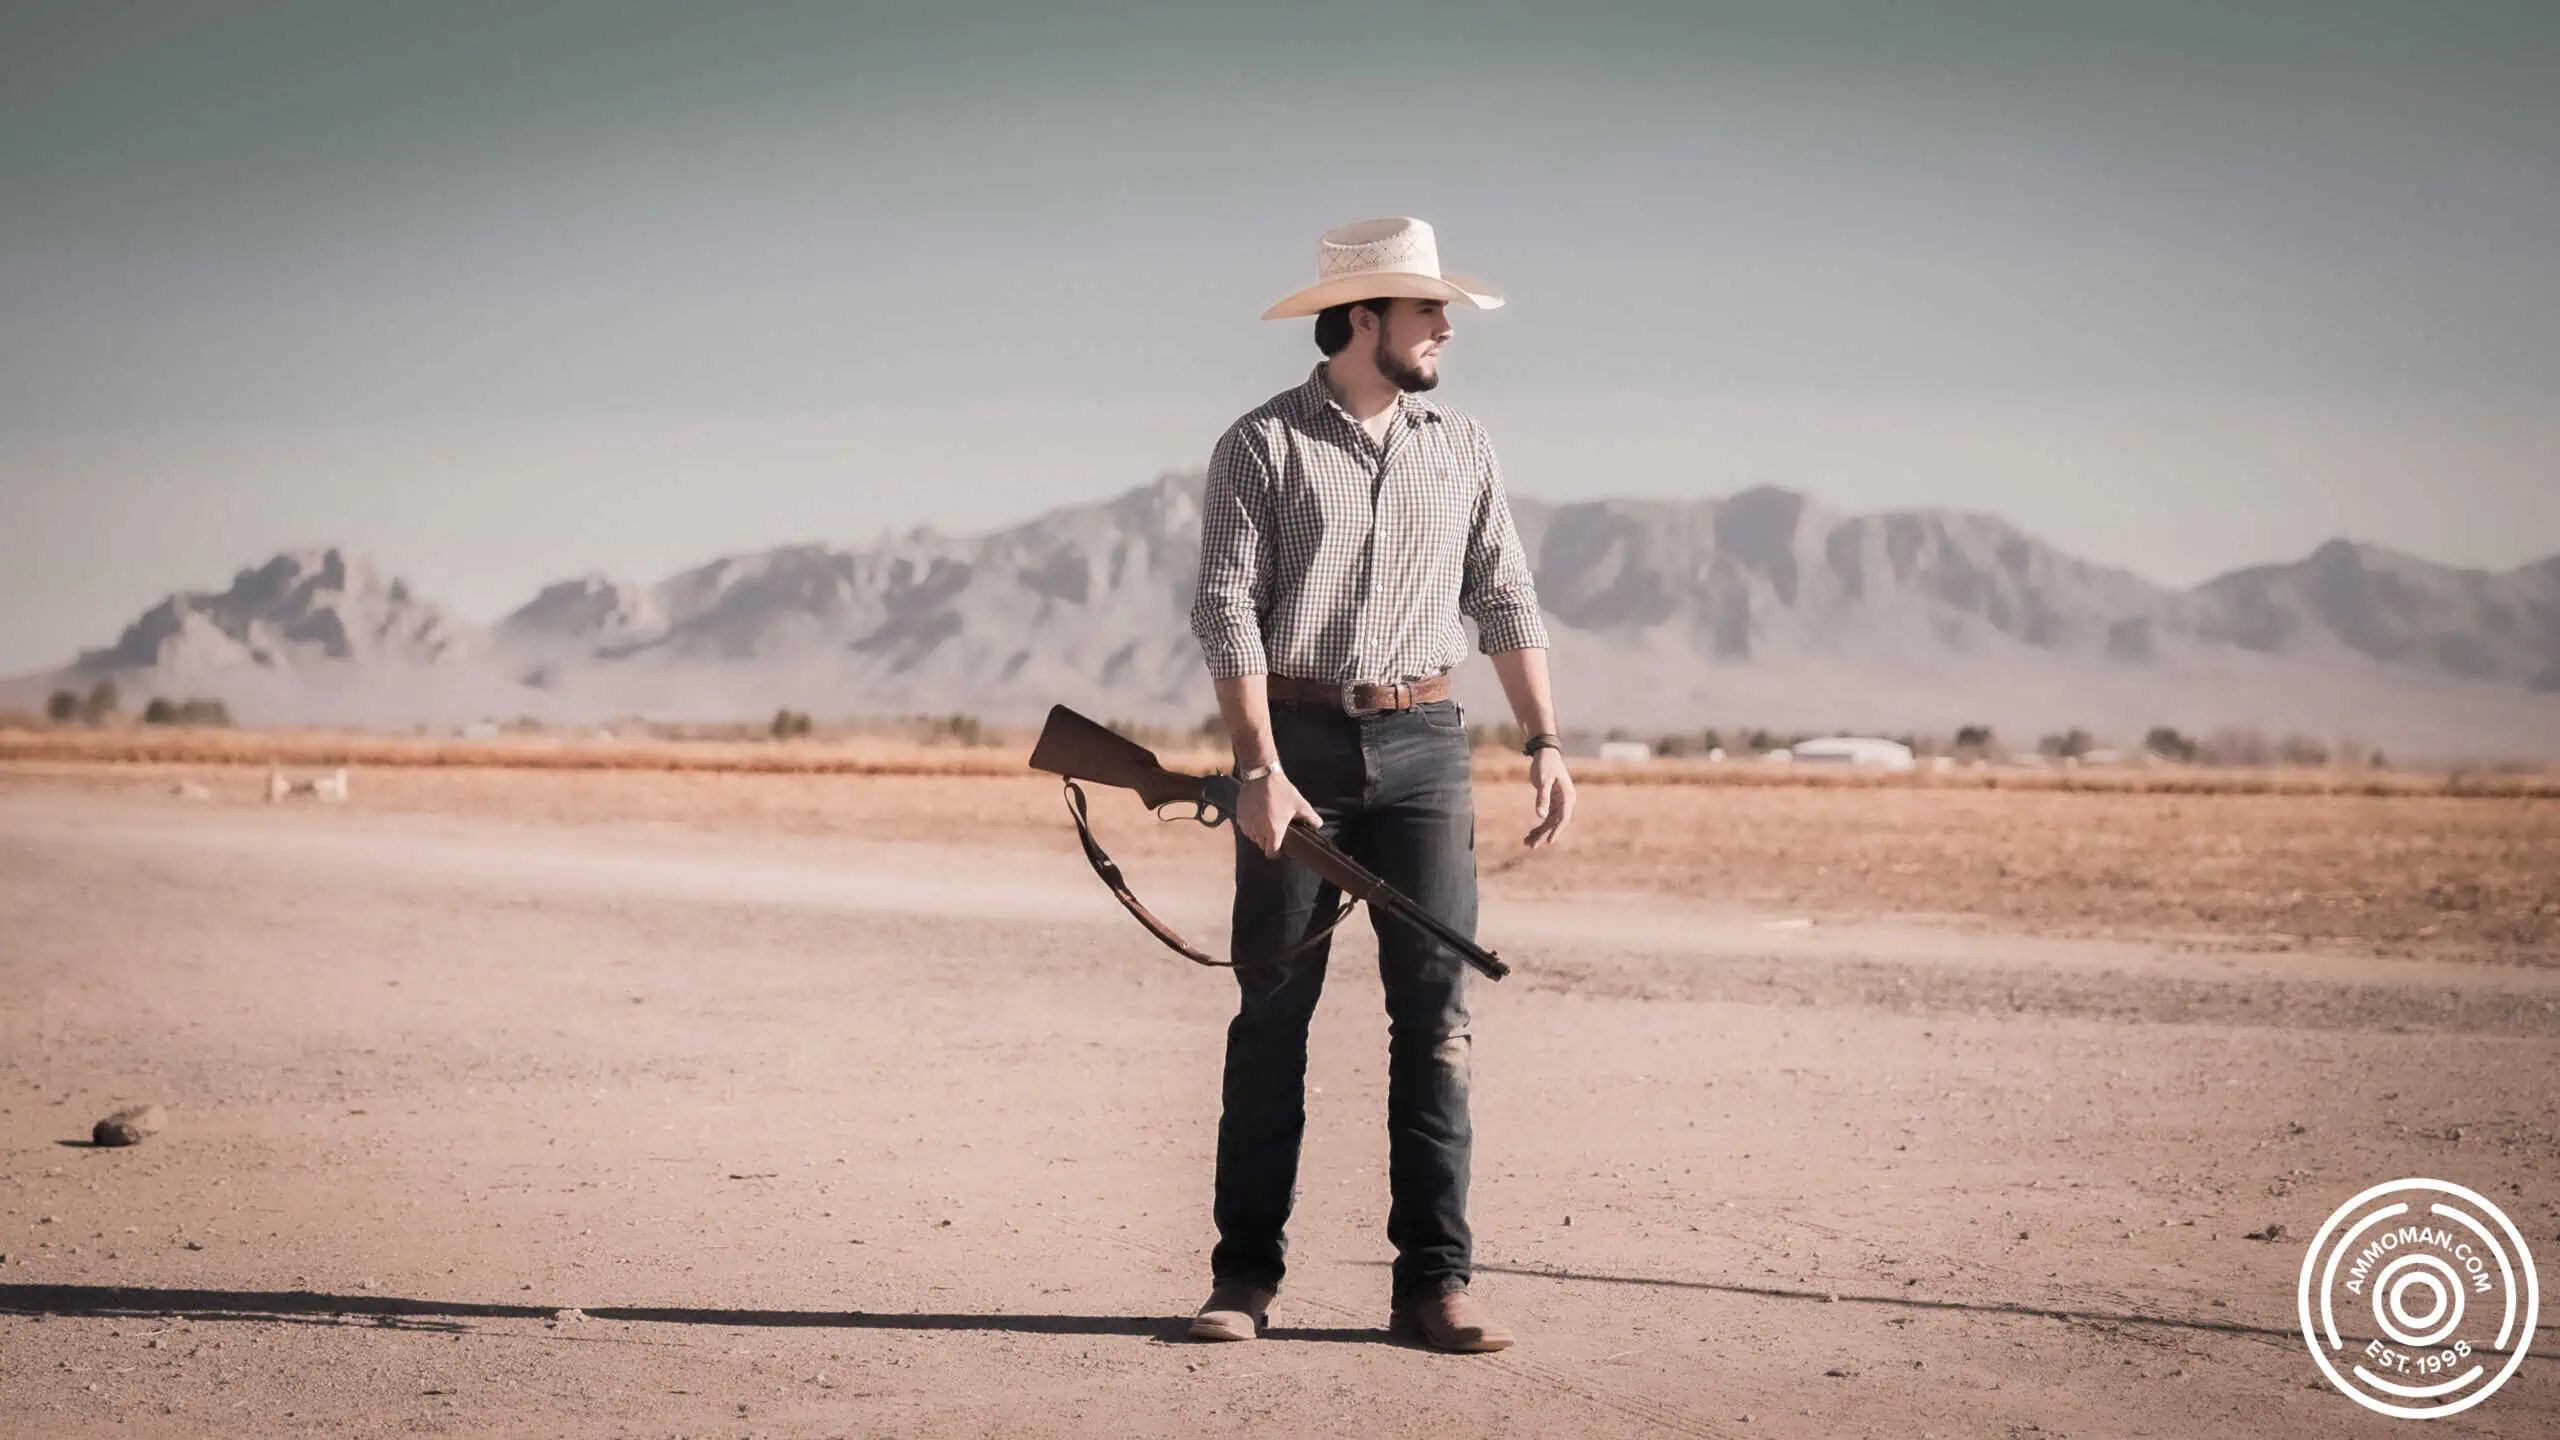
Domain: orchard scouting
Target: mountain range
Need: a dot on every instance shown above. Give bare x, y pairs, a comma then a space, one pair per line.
1761, 608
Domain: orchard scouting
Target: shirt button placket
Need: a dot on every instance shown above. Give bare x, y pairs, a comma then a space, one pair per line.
1369, 568
1372, 735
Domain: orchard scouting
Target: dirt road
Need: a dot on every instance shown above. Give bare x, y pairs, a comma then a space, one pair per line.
540, 1127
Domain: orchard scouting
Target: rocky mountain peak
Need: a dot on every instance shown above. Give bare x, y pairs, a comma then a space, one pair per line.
316, 604
594, 613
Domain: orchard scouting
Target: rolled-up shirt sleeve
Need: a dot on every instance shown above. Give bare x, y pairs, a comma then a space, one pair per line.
1497, 592
1235, 558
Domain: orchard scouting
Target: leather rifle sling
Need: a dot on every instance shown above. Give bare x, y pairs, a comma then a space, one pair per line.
1109, 870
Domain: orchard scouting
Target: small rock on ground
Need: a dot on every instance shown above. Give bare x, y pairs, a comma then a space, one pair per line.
130, 1126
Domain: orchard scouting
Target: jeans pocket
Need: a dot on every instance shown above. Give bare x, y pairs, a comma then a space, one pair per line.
1446, 716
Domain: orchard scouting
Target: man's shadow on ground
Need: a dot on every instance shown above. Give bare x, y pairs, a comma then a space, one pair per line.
396, 1312
1915, 1302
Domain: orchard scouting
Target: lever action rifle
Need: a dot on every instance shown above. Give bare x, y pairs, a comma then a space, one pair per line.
1076, 748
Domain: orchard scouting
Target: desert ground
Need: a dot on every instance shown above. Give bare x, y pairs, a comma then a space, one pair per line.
607, 1101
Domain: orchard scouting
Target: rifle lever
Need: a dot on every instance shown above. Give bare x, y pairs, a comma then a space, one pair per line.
1207, 812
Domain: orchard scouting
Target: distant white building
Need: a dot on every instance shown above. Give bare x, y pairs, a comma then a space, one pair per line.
1858, 750
1625, 752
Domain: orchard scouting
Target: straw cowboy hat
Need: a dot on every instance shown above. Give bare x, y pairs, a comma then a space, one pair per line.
1372, 258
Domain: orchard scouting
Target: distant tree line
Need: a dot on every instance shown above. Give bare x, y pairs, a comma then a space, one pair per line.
2235, 746
102, 704
2242, 745
186, 712
956, 728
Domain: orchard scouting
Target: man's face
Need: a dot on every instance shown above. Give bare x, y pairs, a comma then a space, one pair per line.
1409, 337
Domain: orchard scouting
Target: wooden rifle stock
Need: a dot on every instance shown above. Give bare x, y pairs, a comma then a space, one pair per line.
1082, 749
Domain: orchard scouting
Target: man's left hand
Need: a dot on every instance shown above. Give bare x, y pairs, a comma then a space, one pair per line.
1554, 788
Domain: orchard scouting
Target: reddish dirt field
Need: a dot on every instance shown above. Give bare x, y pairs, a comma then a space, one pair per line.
618, 1102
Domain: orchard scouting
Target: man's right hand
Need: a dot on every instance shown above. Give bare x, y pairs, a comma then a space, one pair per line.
1266, 808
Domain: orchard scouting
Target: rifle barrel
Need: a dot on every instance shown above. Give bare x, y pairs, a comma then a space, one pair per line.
1309, 848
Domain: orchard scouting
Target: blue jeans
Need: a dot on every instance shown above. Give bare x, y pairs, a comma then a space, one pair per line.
1395, 792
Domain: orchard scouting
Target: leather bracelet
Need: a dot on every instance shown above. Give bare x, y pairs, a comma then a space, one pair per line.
1542, 742
1258, 771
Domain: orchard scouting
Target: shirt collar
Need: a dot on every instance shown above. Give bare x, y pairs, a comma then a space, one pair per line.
1315, 396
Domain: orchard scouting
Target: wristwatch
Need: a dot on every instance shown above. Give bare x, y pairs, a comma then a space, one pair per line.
1258, 771
1542, 742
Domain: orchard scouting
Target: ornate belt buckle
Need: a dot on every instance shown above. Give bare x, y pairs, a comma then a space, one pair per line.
1351, 705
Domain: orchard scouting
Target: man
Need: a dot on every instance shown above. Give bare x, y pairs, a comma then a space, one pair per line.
1348, 524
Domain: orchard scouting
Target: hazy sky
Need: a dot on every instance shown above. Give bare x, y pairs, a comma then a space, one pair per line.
505, 292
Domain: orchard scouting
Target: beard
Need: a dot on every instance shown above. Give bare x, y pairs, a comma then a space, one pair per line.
1404, 377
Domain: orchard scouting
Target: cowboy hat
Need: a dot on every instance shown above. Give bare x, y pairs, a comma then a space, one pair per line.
1370, 259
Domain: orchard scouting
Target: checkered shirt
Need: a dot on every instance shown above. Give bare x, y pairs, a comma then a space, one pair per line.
1326, 556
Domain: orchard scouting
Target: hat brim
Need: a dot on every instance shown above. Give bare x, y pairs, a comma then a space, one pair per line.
1456, 289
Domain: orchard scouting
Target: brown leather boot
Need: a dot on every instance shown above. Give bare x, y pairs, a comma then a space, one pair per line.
1453, 1321
1234, 1311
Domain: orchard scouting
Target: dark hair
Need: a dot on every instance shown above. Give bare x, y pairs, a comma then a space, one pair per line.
1333, 323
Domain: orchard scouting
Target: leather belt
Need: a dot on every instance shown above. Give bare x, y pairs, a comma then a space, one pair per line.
1358, 699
